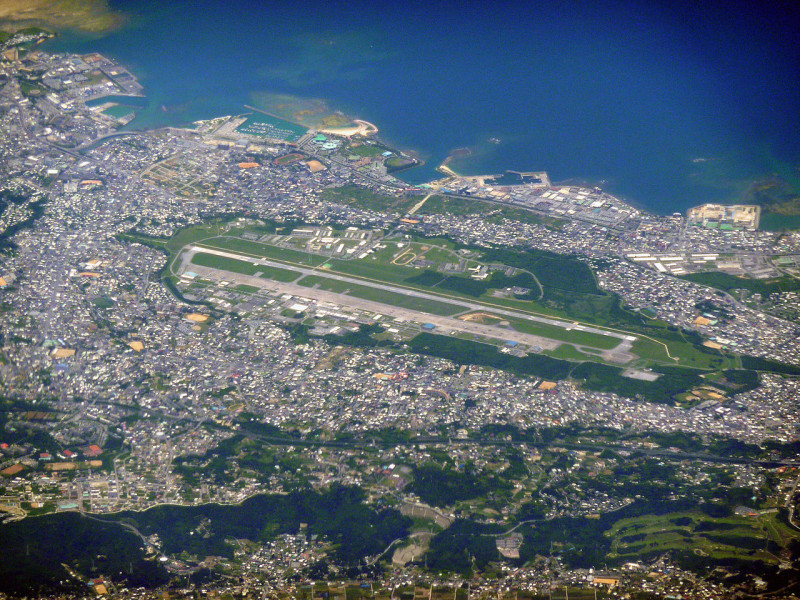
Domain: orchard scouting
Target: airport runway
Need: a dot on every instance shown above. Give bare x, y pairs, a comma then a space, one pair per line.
618, 354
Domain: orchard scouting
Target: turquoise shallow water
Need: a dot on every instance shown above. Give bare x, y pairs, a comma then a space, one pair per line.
665, 105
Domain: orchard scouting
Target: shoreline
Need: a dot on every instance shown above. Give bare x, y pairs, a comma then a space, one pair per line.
364, 128
368, 129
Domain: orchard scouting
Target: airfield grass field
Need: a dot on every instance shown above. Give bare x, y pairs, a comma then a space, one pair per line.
224, 263
261, 250
573, 336
381, 266
417, 263
569, 352
247, 289
383, 296
652, 350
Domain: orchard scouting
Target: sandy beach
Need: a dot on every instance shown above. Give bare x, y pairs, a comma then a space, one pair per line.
364, 128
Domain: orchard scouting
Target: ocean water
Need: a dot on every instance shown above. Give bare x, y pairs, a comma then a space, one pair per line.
665, 105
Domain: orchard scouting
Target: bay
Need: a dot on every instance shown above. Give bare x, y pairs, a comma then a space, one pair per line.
663, 104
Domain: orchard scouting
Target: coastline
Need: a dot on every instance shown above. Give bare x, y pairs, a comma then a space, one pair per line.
407, 174
364, 128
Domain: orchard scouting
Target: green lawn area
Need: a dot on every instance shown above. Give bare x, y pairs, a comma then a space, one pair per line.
352, 195
395, 162
583, 338
247, 289
384, 296
378, 266
366, 150
324, 283
732, 537
245, 268
226, 264
568, 352
283, 275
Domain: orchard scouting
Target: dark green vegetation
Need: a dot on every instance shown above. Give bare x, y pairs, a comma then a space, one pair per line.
702, 518
776, 222
339, 515
445, 487
394, 164
595, 376
18, 433
726, 282
640, 531
35, 550
8, 197
492, 212
474, 287
38, 547
352, 195
603, 378
256, 460
468, 352
463, 547
554, 271
770, 366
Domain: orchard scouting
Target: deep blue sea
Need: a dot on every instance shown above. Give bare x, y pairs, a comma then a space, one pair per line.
667, 105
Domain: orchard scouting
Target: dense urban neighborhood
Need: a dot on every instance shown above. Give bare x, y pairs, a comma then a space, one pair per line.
239, 320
